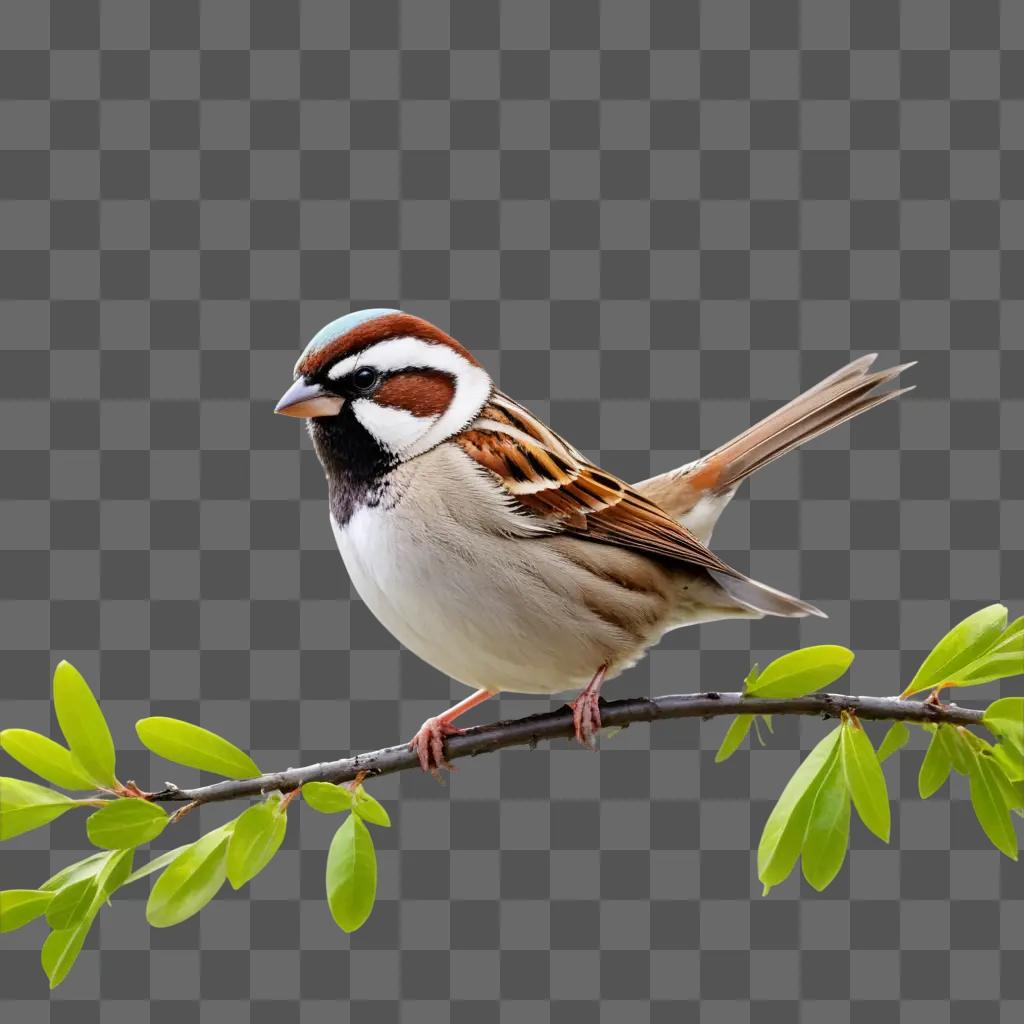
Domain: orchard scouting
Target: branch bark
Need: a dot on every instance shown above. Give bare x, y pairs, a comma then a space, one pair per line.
529, 731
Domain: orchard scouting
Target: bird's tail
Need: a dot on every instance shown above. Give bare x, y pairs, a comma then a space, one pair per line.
846, 393
765, 600
839, 397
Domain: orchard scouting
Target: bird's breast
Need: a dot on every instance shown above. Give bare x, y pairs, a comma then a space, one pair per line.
441, 572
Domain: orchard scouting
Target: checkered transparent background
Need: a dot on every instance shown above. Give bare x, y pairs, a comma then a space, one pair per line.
653, 222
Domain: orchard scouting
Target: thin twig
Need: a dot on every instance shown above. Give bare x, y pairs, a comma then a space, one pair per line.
529, 731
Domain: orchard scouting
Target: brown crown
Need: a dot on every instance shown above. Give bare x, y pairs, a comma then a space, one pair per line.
392, 325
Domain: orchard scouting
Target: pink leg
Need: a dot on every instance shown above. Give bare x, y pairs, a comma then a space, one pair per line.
429, 740
586, 712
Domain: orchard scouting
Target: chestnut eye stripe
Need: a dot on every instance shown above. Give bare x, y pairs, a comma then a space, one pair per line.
424, 393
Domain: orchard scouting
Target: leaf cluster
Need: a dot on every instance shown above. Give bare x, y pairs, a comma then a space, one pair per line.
123, 818
809, 823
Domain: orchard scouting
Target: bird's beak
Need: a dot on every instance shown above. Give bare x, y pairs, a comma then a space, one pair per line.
306, 400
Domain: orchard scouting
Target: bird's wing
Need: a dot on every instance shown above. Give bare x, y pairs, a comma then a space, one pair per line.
552, 481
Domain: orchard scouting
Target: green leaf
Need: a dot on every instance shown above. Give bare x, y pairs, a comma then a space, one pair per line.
155, 864
956, 747
83, 724
25, 806
1005, 718
61, 948
751, 678
895, 737
369, 809
257, 835
124, 823
20, 906
190, 881
991, 667
964, 643
115, 871
990, 806
865, 780
49, 760
1010, 760
72, 903
784, 830
195, 747
734, 736
351, 874
802, 672
1012, 795
86, 868
828, 829
327, 798
1004, 658
935, 767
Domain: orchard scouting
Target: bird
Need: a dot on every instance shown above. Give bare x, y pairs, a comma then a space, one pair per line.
497, 552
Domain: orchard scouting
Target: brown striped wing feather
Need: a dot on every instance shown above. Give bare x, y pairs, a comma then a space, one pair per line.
552, 481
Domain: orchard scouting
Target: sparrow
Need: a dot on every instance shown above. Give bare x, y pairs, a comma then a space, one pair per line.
493, 549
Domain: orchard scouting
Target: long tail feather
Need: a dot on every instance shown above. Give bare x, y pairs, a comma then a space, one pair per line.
764, 599
823, 407
700, 490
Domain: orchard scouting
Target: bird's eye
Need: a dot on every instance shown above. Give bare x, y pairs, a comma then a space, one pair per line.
364, 378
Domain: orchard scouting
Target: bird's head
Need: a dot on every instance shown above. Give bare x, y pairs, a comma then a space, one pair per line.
384, 386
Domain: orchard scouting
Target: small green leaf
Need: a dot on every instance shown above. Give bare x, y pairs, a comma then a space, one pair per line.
1012, 794
935, 767
1004, 658
369, 809
802, 672
751, 678
115, 871
1005, 718
86, 868
990, 667
990, 806
190, 881
155, 864
327, 798
1010, 760
734, 736
49, 760
351, 874
124, 823
61, 948
783, 833
865, 780
956, 747
964, 643
71, 904
25, 806
195, 747
828, 829
257, 835
83, 724
895, 737
20, 906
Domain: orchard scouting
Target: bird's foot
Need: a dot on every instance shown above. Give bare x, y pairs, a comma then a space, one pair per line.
586, 717
586, 710
429, 744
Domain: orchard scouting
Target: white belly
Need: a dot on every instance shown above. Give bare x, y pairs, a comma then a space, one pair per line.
491, 611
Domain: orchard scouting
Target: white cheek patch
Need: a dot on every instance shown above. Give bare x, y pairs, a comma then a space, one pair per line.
395, 429
472, 389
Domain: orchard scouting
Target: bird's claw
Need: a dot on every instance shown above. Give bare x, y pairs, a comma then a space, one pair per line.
429, 745
586, 717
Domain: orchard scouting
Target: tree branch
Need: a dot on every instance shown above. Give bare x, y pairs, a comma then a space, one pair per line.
485, 739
